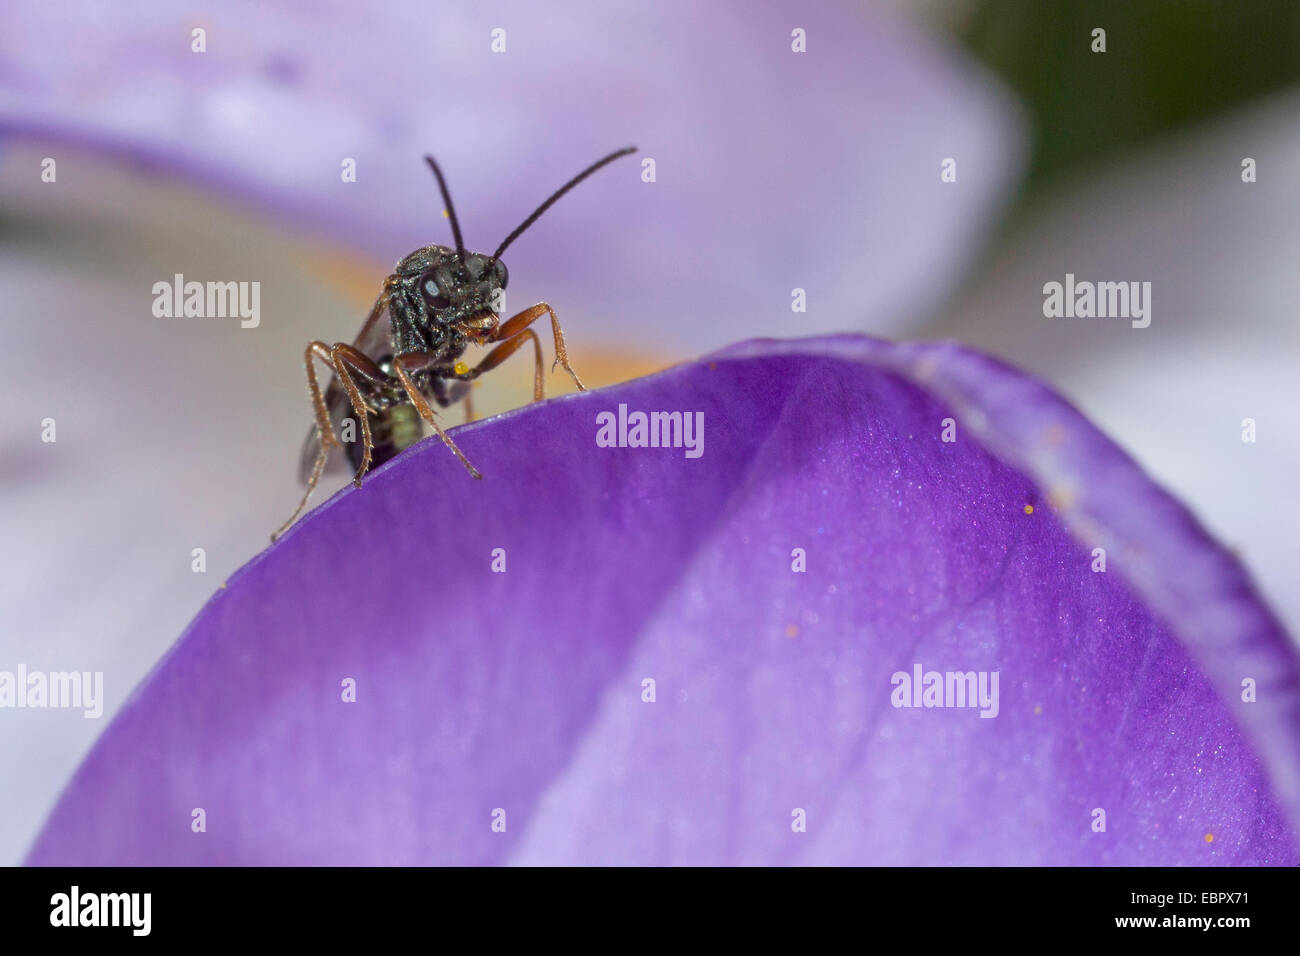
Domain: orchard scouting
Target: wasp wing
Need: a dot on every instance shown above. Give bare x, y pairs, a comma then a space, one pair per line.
336, 400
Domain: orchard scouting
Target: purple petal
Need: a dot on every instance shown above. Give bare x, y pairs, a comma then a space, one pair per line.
1176, 393
522, 691
775, 170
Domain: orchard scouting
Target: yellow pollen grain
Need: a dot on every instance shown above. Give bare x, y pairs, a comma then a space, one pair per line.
1209, 838
460, 368
791, 630
1029, 509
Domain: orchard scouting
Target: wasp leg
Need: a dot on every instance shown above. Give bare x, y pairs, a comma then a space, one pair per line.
323, 429
317, 468
512, 327
346, 359
503, 352
338, 358
469, 407
404, 366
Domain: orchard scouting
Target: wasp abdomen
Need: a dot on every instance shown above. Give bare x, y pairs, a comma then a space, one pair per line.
393, 430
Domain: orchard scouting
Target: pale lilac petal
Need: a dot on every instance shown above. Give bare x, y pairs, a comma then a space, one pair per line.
775, 170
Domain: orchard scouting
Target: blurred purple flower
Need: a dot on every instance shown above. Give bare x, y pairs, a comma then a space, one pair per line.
479, 692
774, 170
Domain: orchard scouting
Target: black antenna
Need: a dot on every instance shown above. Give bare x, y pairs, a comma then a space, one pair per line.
446, 201
555, 196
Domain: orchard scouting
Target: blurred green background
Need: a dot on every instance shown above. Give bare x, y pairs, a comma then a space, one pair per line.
1168, 64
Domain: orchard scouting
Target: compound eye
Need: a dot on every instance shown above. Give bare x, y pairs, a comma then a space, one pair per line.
434, 295
499, 271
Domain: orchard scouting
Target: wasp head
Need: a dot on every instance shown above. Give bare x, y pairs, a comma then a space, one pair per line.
460, 291
457, 290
